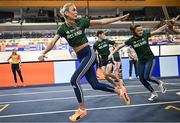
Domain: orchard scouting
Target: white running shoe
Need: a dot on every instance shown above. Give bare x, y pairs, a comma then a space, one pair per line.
162, 87
130, 78
153, 96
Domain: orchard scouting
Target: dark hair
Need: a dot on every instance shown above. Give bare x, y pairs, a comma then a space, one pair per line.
99, 32
133, 28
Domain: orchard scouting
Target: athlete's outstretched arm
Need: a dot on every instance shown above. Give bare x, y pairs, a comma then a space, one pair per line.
108, 20
49, 47
176, 31
20, 63
9, 58
177, 23
116, 49
173, 21
159, 30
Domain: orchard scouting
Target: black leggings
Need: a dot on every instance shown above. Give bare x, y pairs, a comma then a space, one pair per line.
14, 68
131, 63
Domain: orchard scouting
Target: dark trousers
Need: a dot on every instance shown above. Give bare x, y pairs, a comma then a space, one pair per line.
131, 63
14, 68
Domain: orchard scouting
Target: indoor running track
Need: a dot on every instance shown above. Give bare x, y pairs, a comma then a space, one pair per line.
56, 103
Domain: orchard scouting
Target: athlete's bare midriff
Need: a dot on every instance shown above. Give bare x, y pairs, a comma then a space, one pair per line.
77, 49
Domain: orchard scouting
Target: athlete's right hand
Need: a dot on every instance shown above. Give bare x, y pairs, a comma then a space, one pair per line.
41, 57
124, 17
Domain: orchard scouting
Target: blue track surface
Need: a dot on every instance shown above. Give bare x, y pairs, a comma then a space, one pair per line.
56, 103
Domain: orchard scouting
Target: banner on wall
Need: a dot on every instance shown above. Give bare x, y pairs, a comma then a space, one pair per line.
28, 45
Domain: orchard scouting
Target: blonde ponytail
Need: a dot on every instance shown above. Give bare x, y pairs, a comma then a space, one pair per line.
65, 8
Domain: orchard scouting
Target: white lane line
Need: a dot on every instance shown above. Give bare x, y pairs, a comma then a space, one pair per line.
68, 98
90, 109
178, 93
61, 91
46, 92
172, 83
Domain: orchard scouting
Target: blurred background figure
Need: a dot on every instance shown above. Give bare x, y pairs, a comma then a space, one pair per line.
16, 66
132, 61
117, 64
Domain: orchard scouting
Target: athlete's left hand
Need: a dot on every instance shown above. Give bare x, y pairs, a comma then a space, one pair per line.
42, 57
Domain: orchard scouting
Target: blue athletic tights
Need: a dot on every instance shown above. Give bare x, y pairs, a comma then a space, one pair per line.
145, 70
86, 58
